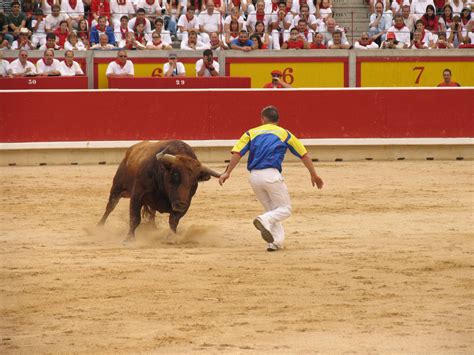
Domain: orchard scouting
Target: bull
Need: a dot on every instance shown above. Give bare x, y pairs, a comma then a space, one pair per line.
161, 176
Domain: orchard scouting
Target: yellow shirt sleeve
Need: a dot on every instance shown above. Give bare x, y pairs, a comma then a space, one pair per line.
296, 147
242, 146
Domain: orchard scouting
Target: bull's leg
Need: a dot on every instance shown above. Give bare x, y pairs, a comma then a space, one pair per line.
149, 214
113, 200
174, 220
135, 218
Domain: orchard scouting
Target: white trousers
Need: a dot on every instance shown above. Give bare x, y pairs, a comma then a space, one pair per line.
270, 189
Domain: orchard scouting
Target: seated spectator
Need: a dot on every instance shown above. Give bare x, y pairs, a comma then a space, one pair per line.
430, 20
38, 37
69, 67
264, 38
119, 8
4, 66
442, 42
61, 34
4, 28
73, 43
257, 41
50, 43
16, 21
277, 82
121, 30
53, 20
100, 8
157, 43
447, 82
209, 21
417, 42
102, 28
173, 9
391, 42
379, 23
216, 43
318, 42
243, 43
140, 19
426, 36
165, 35
207, 66
457, 6
103, 44
304, 31
311, 21
130, 42
235, 16
187, 22
402, 33
152, 8
233, 32
408, 18
259, 15
282, 19
4, 44
22, 66
439, 4
365, 42
193, 42
324, 9
48, 65
418, 7
23, 41
220, 5
331, 27
141, 36
312, 6
466, 44
121, 67
173, 67
83, 33
296, 40
241, 5
465, 17
446, 18
469, 38
74, 9
337, 43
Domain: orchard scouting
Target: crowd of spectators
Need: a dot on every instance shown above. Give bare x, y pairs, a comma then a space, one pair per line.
213, 25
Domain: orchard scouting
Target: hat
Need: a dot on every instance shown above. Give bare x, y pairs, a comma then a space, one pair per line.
390, 35
276, 73
172, 55
24, 31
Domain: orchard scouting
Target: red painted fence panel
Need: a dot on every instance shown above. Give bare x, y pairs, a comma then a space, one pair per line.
218, 114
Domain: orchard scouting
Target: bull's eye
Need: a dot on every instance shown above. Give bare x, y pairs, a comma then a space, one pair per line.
175, 177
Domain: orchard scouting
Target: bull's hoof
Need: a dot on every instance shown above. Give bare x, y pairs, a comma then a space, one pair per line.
128, 241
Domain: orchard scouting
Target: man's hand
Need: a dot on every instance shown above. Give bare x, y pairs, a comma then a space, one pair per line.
316, 180
223, 178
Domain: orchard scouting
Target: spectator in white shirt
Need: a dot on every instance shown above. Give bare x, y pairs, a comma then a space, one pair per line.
187, 22
69, 67
74, 9
173, 67
53, 20
207, 66
73, 43
48, 65
4, 66
209, 21
121, 67
22, 66
418, 7
365, 42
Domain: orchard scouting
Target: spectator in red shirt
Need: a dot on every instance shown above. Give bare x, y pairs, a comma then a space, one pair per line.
430, 20
99, 8
296, 41
447, 80
318, 42
277, 82
62, 32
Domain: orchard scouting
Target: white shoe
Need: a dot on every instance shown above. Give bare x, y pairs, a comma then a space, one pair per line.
273, 247
264, 228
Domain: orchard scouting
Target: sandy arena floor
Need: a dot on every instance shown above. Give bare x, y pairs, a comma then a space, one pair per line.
379, 261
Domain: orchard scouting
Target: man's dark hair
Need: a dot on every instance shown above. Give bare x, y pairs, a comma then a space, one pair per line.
51, 36
271, 113
447, 70
124, 17
141, 10
160, 20
207, 53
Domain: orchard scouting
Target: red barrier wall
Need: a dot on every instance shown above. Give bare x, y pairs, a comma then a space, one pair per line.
125, 115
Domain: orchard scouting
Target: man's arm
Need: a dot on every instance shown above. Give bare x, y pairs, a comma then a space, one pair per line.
308, 163
234, 160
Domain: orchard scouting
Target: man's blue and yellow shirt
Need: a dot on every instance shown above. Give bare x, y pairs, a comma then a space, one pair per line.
267, 145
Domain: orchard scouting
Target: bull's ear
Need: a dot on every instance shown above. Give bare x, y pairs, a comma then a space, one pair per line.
204, 176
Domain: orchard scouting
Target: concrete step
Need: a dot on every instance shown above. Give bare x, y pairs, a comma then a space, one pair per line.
346, 16
342, 3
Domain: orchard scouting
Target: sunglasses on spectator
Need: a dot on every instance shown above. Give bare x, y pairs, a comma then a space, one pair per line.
122, 56
156, 37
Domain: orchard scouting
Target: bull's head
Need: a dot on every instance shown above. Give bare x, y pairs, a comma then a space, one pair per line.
181, 178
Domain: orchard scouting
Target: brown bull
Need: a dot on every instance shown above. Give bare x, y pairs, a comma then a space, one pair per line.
161, 177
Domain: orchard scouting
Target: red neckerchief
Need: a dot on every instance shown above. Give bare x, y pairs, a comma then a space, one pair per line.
50, 2
302, 2
48, 46
442, 45
69, 66
235, 2
120, 63
217, 3
100, 29
260, 16
123, 32
157, 44
399, 27
139, 21
48, 65
464, 21
73, 4
318, 46
150, 2
430, 22
419, 46
140, 37
275, 6
365, 45
121, 2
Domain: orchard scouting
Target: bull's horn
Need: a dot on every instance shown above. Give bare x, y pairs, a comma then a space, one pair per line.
165, 157
209, 171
